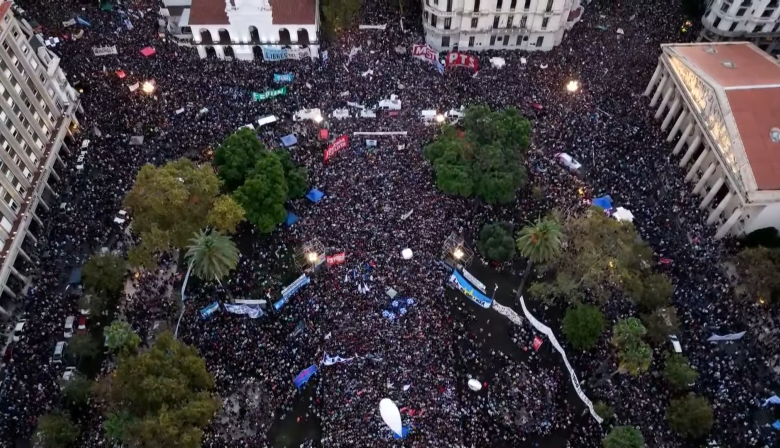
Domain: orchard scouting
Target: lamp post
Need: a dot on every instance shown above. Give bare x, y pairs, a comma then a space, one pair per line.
494, 292
183, 298
573, 86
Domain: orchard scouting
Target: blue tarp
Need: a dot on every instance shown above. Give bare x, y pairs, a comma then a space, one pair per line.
289, 140
75, 276
604, 202
404, 433
776, 425
291, 219
315, 195
304, 376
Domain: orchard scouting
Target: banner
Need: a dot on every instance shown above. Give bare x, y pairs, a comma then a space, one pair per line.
728, 337
70, 22
458, 282
329, 361
336, 259
372, 27
304, 376
474, 281
284, 77
205, 313
280, 54
537, 343
252, 311
425, 52
269, 94
371, 143
104, 51
456, 59
574, 381
337, 146
774, 399
291, 289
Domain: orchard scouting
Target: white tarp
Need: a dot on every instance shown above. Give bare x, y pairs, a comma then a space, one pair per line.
498, 62
728, 337
266, 120
621, 214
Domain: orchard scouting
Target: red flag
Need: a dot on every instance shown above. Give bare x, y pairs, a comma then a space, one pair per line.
537, 343
336, 147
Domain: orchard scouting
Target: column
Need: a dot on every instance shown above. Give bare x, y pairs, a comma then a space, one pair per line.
654, 79
18, 275
711, 194
660, 89
705, 177
726, 227
4, 311
38, 220
53, 172
719, 209
65, 147
678, 124
683, 138
672, 113
691, 149
667, 97
10, 292
43, 203
220, 51
201, 51
25, 256
31, 236
59, 159
699, 160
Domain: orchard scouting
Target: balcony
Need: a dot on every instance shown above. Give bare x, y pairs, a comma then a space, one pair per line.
439, 12
504, 31
440, 31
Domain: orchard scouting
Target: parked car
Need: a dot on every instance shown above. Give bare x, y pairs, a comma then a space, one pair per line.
568, 161
82, 325
19, 330
68, 333
675, 344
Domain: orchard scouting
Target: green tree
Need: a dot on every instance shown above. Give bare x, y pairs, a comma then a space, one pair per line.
690, 416
495, 241
169, 204
339, 14
236, 157
583, 326
660, 324
628, 332
121, 339
651, 291
78, 390
225, 215
757, 269
161, 397
55, 431
297, 178
115, 425
212, 255
104, 274
84, 345
624, 437
603, 410
539, 243
263, 195
600, 253
634, 355
678, 372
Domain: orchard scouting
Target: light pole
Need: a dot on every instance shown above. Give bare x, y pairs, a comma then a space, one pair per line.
183, 298
494, 292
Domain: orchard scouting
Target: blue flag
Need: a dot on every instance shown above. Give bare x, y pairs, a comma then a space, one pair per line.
304, 376
82, 21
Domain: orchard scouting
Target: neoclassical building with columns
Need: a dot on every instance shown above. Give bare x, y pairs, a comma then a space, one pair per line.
720, 102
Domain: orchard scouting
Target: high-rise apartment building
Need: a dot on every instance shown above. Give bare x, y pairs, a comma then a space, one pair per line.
37, 111
756, 21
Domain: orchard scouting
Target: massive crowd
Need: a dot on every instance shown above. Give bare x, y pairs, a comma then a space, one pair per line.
423, 357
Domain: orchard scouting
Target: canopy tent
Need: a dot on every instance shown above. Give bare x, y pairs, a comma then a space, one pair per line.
315, 195
291, 219
148, 51
289, 140
621, 214
75, 276
604, 202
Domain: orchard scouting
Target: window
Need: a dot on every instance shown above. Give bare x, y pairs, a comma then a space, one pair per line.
725, 7
27, 173
476, 5
425, 15
471, 41
447, 23
540, 41
15, 32
25, 50
549, 6
445, 41
506, 40
767, 13
5, 45
492, 40
519, 40
522, 21
42, 77
474, 22
741, 11
527, 4
449, 5
513, 5
716, 22
435, 2
544, 22
499, 4
495, 21
433, 20
14, 206
733, 26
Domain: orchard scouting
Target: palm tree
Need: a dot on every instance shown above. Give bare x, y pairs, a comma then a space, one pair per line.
211, 255
539, 242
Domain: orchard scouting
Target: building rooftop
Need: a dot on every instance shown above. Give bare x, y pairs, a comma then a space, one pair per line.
294, 12
208, 12
743, 83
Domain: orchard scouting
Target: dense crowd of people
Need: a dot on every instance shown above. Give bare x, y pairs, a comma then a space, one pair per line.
422, 357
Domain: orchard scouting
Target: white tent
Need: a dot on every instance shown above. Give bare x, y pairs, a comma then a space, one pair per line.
407, 254
622, 214
474, 385
498, 62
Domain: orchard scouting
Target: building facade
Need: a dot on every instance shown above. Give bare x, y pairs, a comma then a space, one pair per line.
756, 21
241, 29
721, 103
37, 113
474, 25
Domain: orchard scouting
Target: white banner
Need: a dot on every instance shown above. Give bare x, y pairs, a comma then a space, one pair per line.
329, 361
104, 51
372, 27
474, 281
728, 337
547, 331
251, 311
70, 22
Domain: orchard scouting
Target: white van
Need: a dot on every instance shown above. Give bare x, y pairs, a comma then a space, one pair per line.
675, 344
69, 327
568, 161
454, 115
59, 351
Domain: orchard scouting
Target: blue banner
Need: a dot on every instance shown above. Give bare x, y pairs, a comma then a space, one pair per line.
82, 21
291, 289
458, 282
284, 77
274, 54
304, 376
205, 313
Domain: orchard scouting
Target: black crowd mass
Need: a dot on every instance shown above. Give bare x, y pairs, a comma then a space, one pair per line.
422, 358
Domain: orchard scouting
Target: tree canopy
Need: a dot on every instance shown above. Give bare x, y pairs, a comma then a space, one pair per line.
496, 242
84, 344
78, 390
339, 14
212, 255
583, 326
169, 204
690, 416
263, 195
103, 275
634, 355
541, 241
55, 431
660, 324
486, 159
226, 214
236, 157
297, 178
650, 291
120, 338
678, 372
757, 268
161, 397
599, 253
624, 437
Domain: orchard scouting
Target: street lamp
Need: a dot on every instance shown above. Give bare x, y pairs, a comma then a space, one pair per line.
183, 298
457, 253
573, 86
148, 87
318, 119
440, 118
312, 257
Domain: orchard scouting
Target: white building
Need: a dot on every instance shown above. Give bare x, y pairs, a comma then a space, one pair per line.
241, 29
473, 25
757, 21
723, 101
36, 113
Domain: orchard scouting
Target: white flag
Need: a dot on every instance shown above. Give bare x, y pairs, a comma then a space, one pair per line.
329, 361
